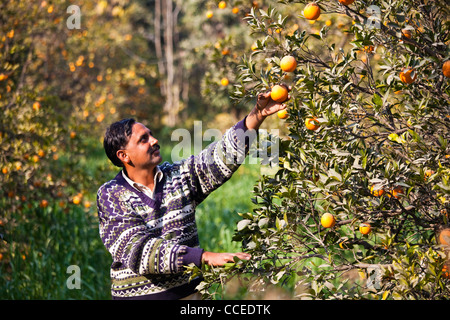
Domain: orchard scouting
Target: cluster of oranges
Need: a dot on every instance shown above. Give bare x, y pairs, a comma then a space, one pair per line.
328, 221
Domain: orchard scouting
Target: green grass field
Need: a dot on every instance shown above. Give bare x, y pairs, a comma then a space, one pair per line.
56, 238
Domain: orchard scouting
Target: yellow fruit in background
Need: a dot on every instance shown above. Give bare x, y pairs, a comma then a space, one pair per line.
282, 114
365, 228
279, 93
312, 124
327, 220
224, 82
209, 14
76, 199
311, 11
36, 106
43, 204
288, 64
222, 5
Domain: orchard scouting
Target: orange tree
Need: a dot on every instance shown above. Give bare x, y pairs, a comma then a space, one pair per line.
361, 195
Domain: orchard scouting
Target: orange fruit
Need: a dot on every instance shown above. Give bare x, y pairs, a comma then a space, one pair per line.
209, 14
346, 2
445, 272
396, 191
73, 134
224, 82
36, 106
288, 64
405, 75
368, 49
446, 68
428, 173
282, 114
43, 203
279, 93
311, 11
444, 237
376, 192
76, 199
365, 228
312, 124
327, 220
222, 5
235, 10
407, 33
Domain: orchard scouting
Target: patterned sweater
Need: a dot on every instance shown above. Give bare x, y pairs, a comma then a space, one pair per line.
152, 239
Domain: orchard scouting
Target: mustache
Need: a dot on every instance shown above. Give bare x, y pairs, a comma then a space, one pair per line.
154, 148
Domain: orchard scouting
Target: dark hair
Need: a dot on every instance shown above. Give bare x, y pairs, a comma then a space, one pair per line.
116, 138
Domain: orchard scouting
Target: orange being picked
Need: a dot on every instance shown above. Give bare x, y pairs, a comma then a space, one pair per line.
446, 69
282, 114
312, 124
279, 93
365, 228
405, 75
288, 64
346, 2
327, 220
311, 11
444, 237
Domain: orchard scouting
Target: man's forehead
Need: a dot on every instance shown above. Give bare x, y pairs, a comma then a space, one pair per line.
139, 128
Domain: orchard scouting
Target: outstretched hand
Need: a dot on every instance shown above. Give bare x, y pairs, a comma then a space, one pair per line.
267, 106
219, 259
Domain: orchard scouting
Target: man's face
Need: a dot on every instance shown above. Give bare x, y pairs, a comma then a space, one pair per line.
142, 149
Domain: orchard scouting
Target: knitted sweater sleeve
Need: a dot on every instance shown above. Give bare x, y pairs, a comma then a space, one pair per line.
215, 165
132, 243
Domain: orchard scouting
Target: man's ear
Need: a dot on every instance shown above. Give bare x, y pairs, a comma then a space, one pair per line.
123, 156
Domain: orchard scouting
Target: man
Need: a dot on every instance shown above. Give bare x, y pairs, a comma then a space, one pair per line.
147, 212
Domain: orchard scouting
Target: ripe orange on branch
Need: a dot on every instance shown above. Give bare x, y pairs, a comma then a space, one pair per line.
376, 192
365, 228
446, 69
312, 124
282, 114
279, 93
346, 2
405, 75
288, 64
407, 33
311, 11
327, 220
